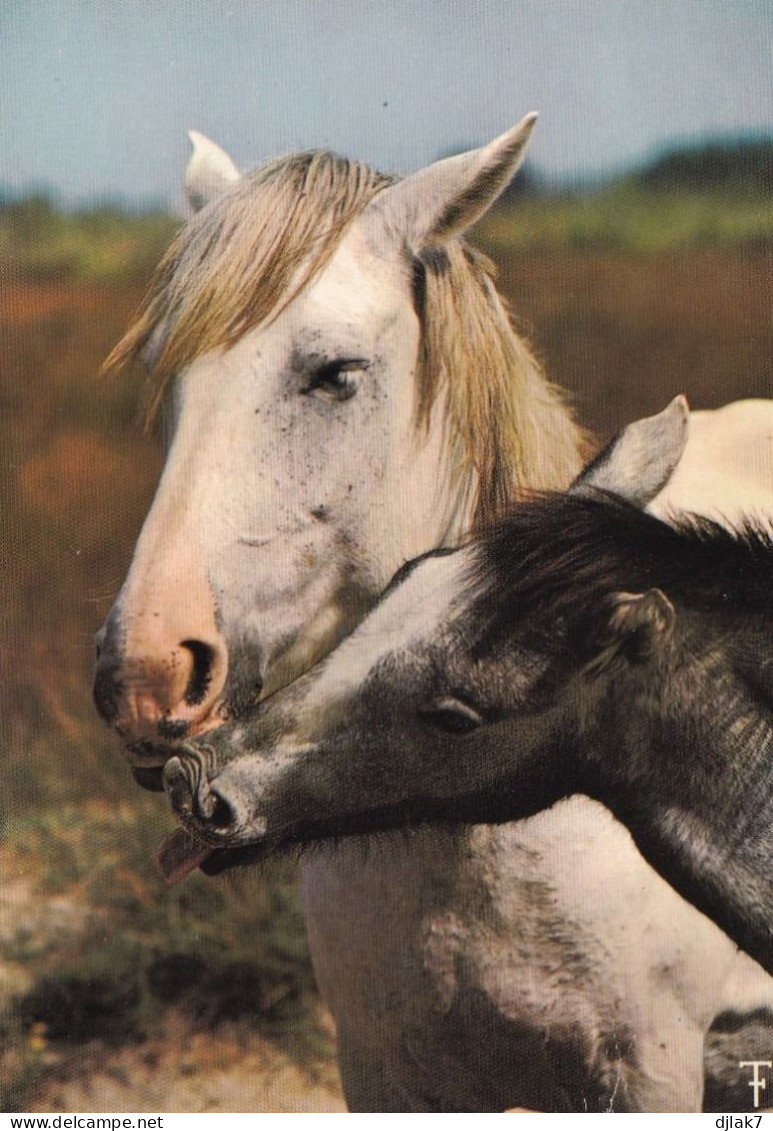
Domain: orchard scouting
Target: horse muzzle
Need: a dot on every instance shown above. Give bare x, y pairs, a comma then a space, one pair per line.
157, 688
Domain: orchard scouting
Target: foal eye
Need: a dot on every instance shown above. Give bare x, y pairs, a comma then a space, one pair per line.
452, 715
336, 380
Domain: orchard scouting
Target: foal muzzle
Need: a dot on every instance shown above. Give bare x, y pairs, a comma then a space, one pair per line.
205, 805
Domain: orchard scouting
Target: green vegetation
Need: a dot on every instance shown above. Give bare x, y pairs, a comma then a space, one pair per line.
129, 949
627, 217
737, 168
40, 243
226, 950
705, 197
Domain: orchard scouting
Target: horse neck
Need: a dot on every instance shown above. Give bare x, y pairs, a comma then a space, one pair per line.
697, 796
505, 428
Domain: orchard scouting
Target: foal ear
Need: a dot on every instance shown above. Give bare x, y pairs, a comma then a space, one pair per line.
444, 199
632, 628
641, 459
210, 171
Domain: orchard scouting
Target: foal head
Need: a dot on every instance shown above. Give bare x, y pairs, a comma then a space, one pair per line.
448, 699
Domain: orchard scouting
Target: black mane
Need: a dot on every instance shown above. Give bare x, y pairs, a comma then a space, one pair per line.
558, 555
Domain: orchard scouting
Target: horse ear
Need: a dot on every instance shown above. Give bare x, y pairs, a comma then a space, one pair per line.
632, 627
210, 171
444, 199
641, 459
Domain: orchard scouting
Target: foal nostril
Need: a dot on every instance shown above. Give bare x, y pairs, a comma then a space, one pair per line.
201, 673
192, 796
222, 815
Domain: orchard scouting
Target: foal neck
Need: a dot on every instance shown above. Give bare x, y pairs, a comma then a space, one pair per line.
693, 781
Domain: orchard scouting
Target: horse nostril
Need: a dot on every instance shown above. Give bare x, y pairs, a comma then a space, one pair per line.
201, 673
99, 640
107, 691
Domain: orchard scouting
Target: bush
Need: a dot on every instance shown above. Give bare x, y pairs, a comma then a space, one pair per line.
40, 243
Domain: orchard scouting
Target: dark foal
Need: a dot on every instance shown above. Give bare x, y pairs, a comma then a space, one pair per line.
582, 646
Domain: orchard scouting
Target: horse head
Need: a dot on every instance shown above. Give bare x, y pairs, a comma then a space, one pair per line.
332, 415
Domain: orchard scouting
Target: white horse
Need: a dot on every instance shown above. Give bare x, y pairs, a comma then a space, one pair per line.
347, 391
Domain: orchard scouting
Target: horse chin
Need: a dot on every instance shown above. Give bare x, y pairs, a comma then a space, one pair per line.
148, 758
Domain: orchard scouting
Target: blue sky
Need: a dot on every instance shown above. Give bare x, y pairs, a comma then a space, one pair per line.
96, 95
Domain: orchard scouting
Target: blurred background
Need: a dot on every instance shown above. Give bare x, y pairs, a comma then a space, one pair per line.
635, 248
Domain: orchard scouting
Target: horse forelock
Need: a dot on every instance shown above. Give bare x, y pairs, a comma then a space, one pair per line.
238, 262
242, 259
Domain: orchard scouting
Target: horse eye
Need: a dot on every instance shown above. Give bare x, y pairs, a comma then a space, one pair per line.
451, 715
336, 380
